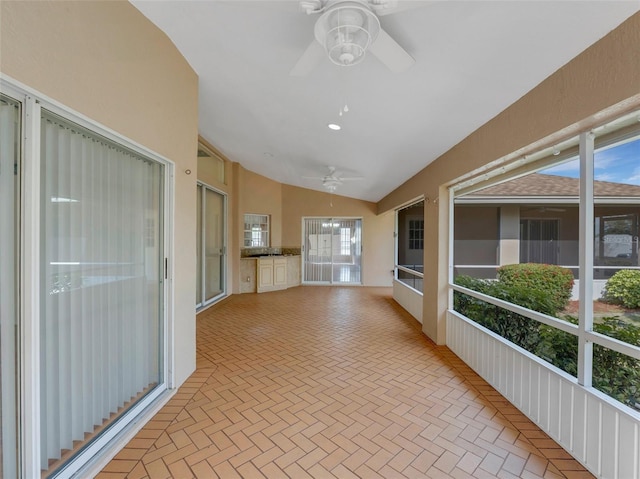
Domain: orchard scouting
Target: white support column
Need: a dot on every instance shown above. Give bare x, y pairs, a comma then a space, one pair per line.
585, 347
509, 235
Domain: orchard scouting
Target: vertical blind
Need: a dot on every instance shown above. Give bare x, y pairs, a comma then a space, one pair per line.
9, 141
332, 250
101, 283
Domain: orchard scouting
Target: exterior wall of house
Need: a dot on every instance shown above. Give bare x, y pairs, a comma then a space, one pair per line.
600, 83
567, 231
476, 242
106, 61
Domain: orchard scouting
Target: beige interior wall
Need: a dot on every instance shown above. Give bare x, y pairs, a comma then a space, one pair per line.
286, 205
108, 62
377, 230
262, 196
602, 81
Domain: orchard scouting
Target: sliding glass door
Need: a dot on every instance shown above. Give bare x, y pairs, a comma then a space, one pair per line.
332, 250
101, 287
9, 169
211, 248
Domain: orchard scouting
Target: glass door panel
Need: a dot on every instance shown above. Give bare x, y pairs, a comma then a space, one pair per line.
332, 250
102, 285
9, 156
199, 247
214, 244
346, 250
211, 247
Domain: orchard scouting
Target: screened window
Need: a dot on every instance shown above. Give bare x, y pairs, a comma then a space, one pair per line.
566, 247
410, 245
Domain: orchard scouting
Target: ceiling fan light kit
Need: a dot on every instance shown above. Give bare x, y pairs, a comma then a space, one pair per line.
346, 30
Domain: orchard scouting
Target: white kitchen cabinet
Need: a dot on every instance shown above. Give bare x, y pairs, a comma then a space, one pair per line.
272, 274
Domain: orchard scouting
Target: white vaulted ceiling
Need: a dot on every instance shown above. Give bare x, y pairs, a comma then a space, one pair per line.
472, 60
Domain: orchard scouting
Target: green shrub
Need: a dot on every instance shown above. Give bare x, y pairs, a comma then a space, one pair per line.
624, 288
615, 374
554, 281
514, 327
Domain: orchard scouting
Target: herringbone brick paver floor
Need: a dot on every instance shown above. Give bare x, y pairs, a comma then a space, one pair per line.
329, 382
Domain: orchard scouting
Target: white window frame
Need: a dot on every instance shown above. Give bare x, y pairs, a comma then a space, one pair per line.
201, 267
331, 220
259, 234
584, 329
397, 267
32, 102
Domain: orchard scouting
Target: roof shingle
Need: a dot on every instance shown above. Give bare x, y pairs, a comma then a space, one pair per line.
538, 184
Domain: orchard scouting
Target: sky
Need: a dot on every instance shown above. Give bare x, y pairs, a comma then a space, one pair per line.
618, 164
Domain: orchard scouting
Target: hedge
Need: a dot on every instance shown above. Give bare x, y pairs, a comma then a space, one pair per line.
623, 288
555, 281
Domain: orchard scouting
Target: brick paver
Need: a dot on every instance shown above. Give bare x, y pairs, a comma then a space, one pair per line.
327, 382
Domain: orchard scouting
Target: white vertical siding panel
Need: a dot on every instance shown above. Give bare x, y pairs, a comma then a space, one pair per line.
628, 448
509, 365
476, 355
580, 425
507, 374
534, 389
566, 404
525, 381
593, 431
517, 380
555, 396
606, 440
504, 370
609, 448
487, 357
629, 451
544, 399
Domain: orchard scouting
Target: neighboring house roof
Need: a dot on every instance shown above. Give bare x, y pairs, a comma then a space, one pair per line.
538, 184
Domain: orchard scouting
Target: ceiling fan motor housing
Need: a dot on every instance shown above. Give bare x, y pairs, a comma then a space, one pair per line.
346, 29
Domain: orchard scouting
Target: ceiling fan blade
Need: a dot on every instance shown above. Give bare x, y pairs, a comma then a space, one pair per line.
387, 7
390, 53
309, 60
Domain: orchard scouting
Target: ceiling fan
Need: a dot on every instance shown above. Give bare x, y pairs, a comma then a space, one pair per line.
333, 180
346, 30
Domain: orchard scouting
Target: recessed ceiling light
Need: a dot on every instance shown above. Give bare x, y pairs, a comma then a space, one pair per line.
333, 126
